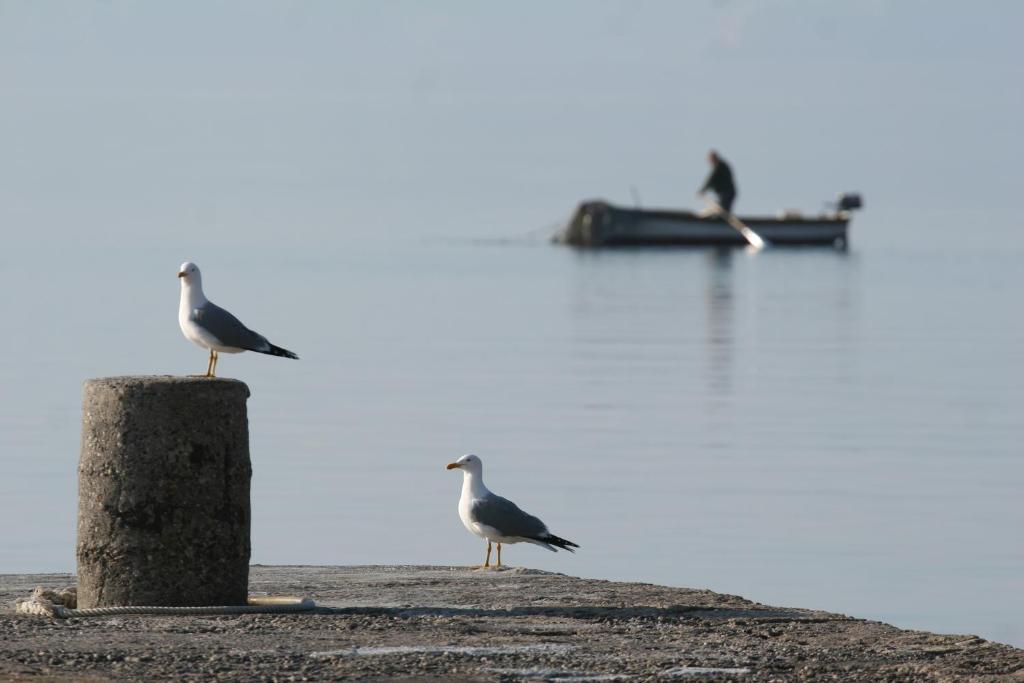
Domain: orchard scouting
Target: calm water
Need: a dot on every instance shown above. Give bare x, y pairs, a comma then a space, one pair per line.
804, 427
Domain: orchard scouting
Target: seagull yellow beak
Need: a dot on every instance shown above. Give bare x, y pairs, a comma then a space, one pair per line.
452, 466
182, 274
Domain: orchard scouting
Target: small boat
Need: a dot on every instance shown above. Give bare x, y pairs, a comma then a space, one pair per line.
600, 224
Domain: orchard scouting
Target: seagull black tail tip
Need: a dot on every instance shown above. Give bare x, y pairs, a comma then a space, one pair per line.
561, 543
278, 351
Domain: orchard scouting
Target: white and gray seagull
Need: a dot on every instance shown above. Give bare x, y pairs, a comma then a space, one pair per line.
211, 327
498, 519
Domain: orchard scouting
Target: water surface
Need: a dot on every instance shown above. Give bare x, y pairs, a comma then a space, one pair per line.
805, 427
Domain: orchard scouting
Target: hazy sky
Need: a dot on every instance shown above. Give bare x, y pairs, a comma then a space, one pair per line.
164, 122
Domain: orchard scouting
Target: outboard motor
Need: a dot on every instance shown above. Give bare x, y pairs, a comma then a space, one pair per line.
848, 201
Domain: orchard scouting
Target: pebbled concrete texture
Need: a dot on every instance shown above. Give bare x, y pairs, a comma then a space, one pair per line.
459, 624
163, 492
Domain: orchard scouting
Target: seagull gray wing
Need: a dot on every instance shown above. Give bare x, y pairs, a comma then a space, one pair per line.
505, 516
228, 329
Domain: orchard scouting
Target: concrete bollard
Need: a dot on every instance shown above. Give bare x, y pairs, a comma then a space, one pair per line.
163, 492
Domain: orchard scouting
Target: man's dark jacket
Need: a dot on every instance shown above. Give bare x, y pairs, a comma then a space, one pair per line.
720, 180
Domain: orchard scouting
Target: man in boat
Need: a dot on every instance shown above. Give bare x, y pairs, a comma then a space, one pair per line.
720, 182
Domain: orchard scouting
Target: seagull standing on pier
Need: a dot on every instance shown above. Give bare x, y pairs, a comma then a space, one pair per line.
498, 519
208, 325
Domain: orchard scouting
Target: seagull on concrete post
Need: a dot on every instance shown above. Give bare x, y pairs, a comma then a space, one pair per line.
211, 327
498, 519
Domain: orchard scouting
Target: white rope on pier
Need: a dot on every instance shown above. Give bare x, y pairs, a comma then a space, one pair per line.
63, 605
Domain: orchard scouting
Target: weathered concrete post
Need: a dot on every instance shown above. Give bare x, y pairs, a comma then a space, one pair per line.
163, 492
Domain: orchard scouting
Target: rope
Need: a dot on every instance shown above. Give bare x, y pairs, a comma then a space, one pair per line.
61, 605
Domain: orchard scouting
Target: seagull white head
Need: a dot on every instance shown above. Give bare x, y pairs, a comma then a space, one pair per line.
189, 273
467, 463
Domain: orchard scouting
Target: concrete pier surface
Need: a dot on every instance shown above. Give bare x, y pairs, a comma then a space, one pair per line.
459, 624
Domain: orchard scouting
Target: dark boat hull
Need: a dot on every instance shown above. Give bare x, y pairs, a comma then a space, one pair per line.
601, 224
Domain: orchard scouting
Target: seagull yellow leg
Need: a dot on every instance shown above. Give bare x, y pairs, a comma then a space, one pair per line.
499, 556
487, 562
215, 357
209, 365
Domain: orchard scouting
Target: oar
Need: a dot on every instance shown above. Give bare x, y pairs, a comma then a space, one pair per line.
752, 237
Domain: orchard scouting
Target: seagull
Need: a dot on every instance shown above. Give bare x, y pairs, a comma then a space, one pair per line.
498, 519
208, 325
